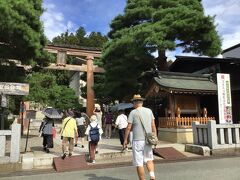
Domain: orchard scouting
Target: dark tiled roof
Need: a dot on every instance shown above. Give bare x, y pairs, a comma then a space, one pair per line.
185, 82
190, 64
231, 48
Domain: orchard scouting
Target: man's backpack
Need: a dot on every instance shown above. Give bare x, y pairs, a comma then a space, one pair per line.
94, 134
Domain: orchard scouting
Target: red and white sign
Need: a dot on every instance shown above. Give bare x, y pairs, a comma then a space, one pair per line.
224, 99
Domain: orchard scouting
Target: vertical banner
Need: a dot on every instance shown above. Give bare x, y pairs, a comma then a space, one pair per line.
224, 99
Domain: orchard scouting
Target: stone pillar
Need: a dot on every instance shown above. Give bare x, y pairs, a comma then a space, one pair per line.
90, 83
195, 132
15, 143
212, 134
3, 145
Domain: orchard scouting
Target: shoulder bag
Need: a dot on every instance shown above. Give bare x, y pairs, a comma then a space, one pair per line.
151, 138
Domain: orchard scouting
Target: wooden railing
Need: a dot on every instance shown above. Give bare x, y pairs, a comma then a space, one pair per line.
182, 122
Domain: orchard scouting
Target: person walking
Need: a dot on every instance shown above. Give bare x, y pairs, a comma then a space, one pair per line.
97, 111
121, 123
81, 128
68, 132
108, 124
142, 152
94, 132
46, 130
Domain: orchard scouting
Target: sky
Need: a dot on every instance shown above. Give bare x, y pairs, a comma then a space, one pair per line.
96, 15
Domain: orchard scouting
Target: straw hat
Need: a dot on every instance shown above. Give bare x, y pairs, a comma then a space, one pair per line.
137, 97
93, 118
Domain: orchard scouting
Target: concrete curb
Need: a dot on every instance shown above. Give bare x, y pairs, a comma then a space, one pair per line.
45, 161
196, 149
113, 155
31, 161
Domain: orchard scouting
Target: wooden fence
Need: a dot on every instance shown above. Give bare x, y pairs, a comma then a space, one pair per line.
182, 122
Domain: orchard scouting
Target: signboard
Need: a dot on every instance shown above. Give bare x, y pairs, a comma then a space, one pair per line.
224, 98
14, 88
30, 114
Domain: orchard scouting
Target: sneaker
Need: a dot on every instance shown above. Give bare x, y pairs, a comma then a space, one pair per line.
47, 151
75, 145
124, 150
64, 155
93, 161
44, 149
70, 154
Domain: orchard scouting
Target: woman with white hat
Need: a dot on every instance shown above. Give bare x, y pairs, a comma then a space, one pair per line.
97, 111
93, 132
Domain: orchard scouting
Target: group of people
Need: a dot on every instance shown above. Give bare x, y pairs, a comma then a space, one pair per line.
139, 121
74, 126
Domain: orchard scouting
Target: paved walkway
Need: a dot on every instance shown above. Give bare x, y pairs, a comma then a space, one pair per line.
208, 169
109, 149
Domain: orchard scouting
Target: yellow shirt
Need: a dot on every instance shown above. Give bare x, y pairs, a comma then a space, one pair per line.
70, 128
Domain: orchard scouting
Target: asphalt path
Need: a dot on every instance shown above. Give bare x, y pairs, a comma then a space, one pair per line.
208, 169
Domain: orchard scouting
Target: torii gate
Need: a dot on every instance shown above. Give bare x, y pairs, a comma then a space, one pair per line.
89, 54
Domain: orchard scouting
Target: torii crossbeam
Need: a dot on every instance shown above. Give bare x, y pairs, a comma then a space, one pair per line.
81, 52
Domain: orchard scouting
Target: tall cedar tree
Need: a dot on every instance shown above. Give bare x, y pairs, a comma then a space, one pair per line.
147, 26
80, 38
21, 32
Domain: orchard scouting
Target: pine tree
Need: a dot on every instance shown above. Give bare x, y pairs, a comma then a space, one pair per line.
147, 26
21, 32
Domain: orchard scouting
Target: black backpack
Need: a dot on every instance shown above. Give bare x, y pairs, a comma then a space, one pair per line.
94, 134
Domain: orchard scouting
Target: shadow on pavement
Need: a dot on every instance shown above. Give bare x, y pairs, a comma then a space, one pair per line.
93, 176
108, 146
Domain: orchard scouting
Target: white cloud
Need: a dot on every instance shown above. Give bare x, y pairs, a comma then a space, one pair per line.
54, 22
227, 19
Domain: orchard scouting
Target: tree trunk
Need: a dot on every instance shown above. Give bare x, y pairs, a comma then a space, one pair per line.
161, 61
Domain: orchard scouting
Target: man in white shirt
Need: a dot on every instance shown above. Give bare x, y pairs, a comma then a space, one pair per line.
121, 123
142, 152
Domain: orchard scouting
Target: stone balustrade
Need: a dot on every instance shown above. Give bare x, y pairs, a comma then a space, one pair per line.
216, 136
15, 134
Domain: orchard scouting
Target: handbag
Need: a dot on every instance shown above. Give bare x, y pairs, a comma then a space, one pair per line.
151, 138
54, 132
64, 127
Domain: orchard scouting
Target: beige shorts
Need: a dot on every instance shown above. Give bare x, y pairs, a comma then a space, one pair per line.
142, 153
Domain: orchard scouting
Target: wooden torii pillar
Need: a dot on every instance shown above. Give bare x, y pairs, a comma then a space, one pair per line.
89, 55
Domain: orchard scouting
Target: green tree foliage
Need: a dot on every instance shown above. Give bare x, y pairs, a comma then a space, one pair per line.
45, 90
80, 38
21, 32
154, 25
